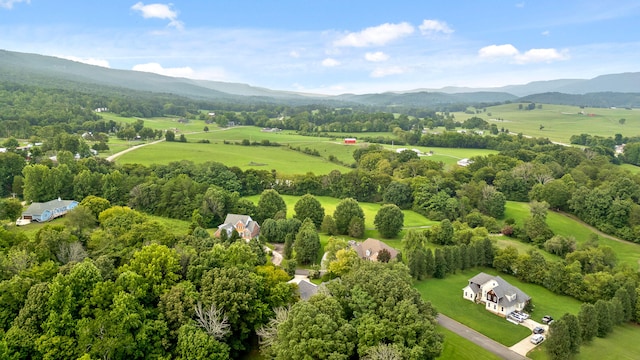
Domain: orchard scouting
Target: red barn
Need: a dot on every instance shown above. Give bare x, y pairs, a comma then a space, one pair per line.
349, 140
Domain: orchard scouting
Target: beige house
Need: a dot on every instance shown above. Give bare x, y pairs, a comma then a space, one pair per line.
243, 224
370, 248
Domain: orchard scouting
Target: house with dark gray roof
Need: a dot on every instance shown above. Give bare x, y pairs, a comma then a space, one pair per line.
45, 211
495, 293
243, 224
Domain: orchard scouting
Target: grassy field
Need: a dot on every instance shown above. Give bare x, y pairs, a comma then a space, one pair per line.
411, 218
446, 296
458, 348
621, 344
282, 160
627, 252
560, 121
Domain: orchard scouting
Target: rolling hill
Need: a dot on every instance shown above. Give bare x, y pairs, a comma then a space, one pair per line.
51, 72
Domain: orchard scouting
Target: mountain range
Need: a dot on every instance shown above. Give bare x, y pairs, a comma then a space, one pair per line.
46, 71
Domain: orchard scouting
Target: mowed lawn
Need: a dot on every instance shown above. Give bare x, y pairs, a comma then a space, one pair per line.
446, 295
621, 344
561, 224
458, 348
560, 122
411, 218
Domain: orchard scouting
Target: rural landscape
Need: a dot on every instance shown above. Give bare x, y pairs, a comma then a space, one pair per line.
146, 216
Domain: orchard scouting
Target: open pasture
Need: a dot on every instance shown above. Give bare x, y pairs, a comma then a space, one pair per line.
161, 123
281, 159
628, 253
560, 122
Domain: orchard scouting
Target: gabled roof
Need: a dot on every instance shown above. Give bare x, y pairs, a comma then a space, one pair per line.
481, 278
38, 208
235, 218
307, 289
374, 246
503, 289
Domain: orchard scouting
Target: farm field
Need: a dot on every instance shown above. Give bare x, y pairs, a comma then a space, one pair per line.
279, 158
446, 295
560, 121
627, 252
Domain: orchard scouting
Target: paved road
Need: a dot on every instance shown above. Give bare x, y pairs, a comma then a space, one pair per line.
479, 339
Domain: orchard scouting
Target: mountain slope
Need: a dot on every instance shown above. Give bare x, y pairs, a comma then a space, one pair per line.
52, 72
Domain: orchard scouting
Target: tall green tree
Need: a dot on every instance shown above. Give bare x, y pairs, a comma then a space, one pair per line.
389, 220
346, 210
309, 207
270, 204
307, 243
315, 329
588, 320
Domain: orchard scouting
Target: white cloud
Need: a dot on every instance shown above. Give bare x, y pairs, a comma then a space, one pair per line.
520, 5
329, 62
159, 11
433, 27
158, 69
8, 4
90, 61
493, 51
392, 70
376, 36
530, 56
542, 55
546, 33
377, 56
294, 54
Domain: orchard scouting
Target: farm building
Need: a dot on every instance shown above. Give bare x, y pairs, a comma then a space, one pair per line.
349, 140
41, 212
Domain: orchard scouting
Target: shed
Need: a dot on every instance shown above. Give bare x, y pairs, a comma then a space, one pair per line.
350, 140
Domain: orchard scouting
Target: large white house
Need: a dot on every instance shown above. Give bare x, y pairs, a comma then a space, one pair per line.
495, 293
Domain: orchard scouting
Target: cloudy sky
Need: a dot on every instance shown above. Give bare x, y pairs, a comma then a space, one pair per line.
336, 46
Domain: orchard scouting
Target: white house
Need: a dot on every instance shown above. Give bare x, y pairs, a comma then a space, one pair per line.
495, 293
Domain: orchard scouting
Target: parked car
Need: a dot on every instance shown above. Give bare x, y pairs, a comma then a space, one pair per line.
547, 319
538, 330
537, 339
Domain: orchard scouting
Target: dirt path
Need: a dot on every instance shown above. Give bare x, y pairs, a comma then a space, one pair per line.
600, 233
118, 154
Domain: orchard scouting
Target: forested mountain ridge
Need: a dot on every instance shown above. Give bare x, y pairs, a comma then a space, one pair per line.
52, 72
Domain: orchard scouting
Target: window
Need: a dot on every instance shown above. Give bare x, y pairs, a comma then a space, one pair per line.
502, 308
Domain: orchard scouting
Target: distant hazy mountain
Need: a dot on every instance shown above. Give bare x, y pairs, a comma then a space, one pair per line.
52, 72
619, 83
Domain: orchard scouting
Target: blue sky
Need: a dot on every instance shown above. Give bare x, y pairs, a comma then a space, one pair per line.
336, 46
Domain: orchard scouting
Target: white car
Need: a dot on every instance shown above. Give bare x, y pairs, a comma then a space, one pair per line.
537, 339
